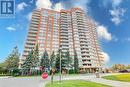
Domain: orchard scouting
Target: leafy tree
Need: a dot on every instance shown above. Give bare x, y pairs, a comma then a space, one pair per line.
52, 60
45, 61
119, 67
3, 69
2, 64
128, 66
12, 61
76, 64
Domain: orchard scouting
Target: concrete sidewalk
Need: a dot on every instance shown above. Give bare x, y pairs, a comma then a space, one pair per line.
3, 77
110, 82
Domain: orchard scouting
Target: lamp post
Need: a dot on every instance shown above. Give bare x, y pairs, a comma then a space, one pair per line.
60, 66
98, 71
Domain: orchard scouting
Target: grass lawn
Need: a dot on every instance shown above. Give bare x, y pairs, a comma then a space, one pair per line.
121, 77
75, 83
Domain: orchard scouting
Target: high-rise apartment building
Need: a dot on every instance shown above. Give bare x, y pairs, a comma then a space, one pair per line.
68, 30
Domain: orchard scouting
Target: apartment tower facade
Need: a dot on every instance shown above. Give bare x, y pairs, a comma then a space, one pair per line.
69, 30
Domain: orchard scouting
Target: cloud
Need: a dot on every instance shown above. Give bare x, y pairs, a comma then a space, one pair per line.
21, 6
49, 5
10, 29
116, 2
58, 6
115, 39
15, 26
103, 33
62, 4
106, 57
127, 39
104, 3
81, 3
116, 14
29, 16
44, 4
116, 20
31, 1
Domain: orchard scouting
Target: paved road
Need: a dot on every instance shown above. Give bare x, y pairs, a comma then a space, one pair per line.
21, 82
26, 81
39, 82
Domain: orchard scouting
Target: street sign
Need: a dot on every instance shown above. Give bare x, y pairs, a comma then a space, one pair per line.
44, 75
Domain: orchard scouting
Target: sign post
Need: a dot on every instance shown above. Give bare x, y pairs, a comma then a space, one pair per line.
44, 75
52, 74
